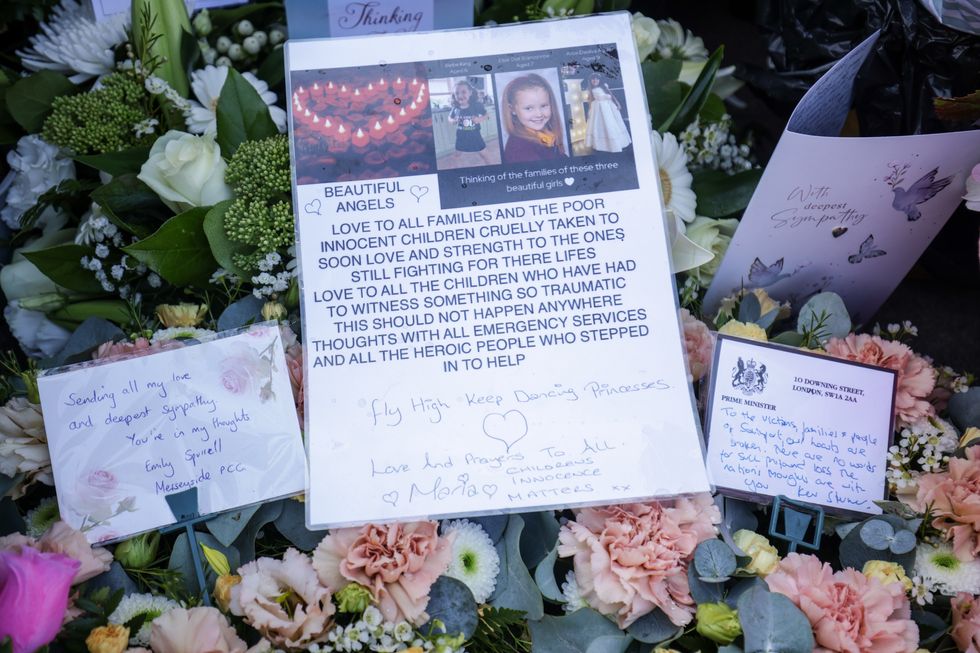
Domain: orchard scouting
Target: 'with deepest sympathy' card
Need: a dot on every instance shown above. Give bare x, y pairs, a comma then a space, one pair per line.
486, 289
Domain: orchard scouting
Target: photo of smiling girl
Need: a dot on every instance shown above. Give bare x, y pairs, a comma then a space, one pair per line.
532, 118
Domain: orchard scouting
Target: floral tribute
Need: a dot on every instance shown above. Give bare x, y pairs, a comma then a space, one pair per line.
157, 131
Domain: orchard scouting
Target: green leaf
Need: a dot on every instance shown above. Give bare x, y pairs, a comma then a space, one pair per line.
749, 308
702, 591
131, 205
515, 587
877, 534
958, 109
667, 99
452, 604
653, 628
713, 109
223, 248
714, 561
825, 316
772, 624
791, 338
688, 109
62, 265
181, 560
10, 130
664, 93
544, 577
291, 524
272, 70
29, 99
229, 525
60, 195
241, 114
583, 631
178, 251
116, 163
540, 530
720, 194
114, 310
224, 18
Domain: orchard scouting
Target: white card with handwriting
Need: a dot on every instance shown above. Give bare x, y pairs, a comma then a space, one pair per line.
806, 426
218, 416
848, 215
488, 306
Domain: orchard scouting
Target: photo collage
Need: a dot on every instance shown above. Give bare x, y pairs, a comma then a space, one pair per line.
468, 120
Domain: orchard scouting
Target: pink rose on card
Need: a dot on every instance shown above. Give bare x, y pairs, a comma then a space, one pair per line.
243, 370
96, 494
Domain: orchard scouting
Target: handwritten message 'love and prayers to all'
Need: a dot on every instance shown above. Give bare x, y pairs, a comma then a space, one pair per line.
217, 416
487, 295
809, 427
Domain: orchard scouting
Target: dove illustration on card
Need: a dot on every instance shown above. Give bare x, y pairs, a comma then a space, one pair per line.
847, 215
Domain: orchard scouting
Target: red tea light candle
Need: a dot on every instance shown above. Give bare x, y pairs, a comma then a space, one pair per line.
343, 89
413, 109
327, 126
390, 124
316, 119
360, 139
398, 84
341, 140
382, 85
316, 87
415, 84
301, 90
403, 117
378, 131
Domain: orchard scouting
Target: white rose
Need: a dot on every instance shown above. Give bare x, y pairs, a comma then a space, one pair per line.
972, 196
715, 236
35, 166
646, 33
186, 171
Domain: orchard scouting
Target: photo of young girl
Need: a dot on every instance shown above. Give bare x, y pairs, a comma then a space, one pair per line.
605, 129
464, 129
534, 124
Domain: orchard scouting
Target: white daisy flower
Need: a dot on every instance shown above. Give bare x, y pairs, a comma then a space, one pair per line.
943, 572
74, 44
675, 179
475, 561
676, 42
137, 604
572, 594
180, 333
207, 83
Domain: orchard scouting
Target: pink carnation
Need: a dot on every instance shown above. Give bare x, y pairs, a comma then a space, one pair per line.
140, 347
954, 497
966, 623
848, 611
631, 559
194, 630
916, 377
698, 343
398, 563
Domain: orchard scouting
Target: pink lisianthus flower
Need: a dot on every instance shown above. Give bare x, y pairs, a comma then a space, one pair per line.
632, 559
196, 630
916, 377
34, 590
135, 349
398, 563
954, 498
966, 623
698, 343
847, 610
63, 539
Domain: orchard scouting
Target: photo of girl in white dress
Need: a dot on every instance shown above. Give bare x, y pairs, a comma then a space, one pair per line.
605, 130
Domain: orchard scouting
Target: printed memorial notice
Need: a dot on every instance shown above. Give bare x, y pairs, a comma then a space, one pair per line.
487, 297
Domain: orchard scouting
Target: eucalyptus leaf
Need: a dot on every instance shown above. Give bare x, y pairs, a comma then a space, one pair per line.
494, 525
116, 578
702, 591
653, 628
826, 316
62, 264
749, 308
515, 587
855, 551
903, 542
964, 408
29, 99
245, 543
791, 338
741, 587
229, 525
291, 523
771, 623
242, 114
540, 530
544, 577
714, 561
451, 603
931, 626
877, 534
178, 251
739, 515
720, 194
247, 310
181, 560
576, 633
87, 336
844, 528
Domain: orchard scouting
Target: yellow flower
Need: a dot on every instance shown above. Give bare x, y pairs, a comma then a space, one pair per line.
768, 304
751, 331
887, 573
113, 638
222, 589
181, 315
764, 556
273, 311
969, 436
718, 622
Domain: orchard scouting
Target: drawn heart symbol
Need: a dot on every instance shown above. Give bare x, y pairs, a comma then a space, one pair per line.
839, 231
418, 192
312, 207
390, 497
509, 428
569, 181
490, 489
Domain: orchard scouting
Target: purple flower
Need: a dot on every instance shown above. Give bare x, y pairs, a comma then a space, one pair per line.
34, 590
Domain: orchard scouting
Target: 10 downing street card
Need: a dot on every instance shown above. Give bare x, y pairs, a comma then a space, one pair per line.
486, 289
781, 421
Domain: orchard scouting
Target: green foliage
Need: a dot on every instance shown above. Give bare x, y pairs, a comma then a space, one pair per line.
714, 561
515, 587
178, 251
772, 624
451, 606
97, 607
500, 631
583, 631
241, 114
691, 105
259, 170
824, 316
721, 194
30, 99
101, 121
61, 265
882, 537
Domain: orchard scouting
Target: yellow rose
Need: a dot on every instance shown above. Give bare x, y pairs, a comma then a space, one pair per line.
181, 315
222, 589
764, 556
969, 436
113, 638
750, 331
887, 573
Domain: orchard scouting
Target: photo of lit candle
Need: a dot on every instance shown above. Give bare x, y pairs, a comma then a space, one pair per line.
377, 131
359, 139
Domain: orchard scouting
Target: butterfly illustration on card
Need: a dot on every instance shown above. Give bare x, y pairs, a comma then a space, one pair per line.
762, 275
867, 250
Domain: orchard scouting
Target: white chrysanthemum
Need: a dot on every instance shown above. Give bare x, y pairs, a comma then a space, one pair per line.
675, 179
207, 83
137, 604
475, 561
944, 572
35, 166
676, 42
572, 594
180, 333
73, 43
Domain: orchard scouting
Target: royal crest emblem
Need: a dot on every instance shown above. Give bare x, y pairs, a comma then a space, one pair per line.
749, 377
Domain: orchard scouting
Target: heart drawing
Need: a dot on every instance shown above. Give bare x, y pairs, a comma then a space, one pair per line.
312, 207
509, 428
569, 181
390, 497
418, 192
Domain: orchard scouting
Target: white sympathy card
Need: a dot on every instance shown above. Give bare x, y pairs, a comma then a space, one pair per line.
806, 426
848, 215
489, 312
217, 416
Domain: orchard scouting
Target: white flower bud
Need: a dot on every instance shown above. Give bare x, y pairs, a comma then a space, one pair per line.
235, 52
276, 36
223, 44
245, 28
261, 37
251, 45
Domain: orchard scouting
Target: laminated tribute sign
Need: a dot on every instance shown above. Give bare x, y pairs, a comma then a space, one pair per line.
489, 312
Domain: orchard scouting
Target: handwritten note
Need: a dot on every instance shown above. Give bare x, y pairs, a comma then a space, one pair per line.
498, 338
218, 416
810, 427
